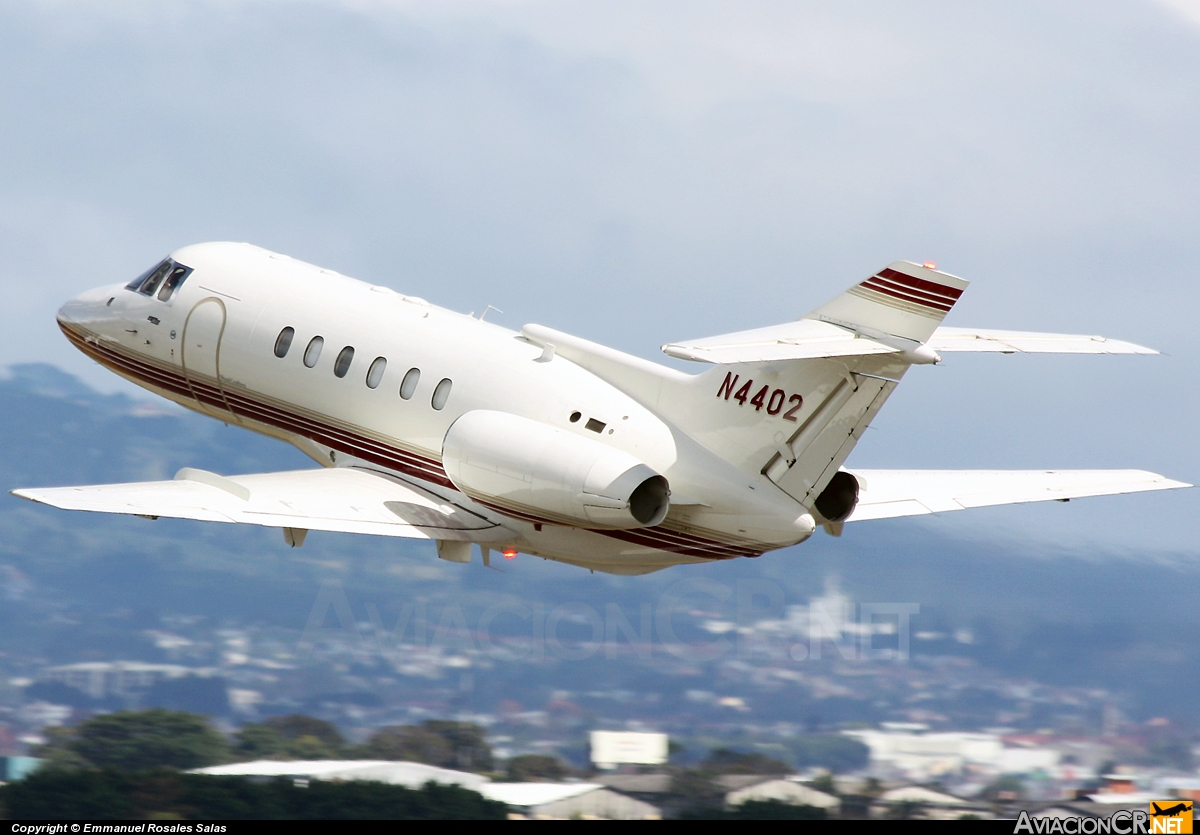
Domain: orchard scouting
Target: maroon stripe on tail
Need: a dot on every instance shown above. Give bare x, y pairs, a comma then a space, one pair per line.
887, 291
920, 283
919, 294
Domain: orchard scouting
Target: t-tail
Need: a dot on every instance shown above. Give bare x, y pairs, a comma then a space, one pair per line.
792, 400
789, 401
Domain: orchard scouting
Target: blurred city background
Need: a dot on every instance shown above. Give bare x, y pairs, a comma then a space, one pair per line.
889, 654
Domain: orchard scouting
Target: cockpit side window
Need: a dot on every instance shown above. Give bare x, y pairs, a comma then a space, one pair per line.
173, 282
156, 278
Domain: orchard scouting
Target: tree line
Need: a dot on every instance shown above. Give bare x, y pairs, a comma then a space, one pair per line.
108, 794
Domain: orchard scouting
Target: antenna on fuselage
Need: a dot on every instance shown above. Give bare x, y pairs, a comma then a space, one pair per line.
490, 307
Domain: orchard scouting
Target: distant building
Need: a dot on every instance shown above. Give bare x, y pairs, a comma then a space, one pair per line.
649, 787
927, 803
117, 678
396, 773
1082, 809
613, 748
546, 801
913, 753
17, 768
741, 788
528, 800
1124, 788
737, 789
1186, 788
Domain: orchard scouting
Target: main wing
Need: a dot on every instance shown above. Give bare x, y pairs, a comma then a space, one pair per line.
346, 499
885, 494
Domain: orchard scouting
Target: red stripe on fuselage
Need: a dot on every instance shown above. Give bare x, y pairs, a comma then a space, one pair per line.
368, 449
336, 438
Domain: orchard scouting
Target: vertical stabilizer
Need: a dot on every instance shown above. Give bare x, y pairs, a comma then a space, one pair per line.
904, 300
788, 401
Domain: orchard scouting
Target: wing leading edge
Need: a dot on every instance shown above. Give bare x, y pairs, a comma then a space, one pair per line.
886, 494
345, 499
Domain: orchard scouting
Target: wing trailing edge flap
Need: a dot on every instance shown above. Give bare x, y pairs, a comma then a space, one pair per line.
344, 499
886, 494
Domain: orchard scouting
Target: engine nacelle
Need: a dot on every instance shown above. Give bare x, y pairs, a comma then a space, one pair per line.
548, 474
839, 498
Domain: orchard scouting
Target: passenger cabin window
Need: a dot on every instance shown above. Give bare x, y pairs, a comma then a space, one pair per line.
408, 386
313, 352
441, 393
344, 358
284, 341
375, 372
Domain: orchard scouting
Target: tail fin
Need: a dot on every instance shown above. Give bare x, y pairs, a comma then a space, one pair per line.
904, 300
788, 401
840, 363
894, 311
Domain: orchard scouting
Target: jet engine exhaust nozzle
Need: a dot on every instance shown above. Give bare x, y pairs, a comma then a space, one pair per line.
839, 498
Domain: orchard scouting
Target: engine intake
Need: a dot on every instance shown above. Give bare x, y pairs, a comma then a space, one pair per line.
537, 471
839, 498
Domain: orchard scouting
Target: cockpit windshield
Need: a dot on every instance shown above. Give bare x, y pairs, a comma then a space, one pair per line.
172, 282
164, 278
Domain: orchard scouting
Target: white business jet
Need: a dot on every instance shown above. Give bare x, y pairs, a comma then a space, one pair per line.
430, 424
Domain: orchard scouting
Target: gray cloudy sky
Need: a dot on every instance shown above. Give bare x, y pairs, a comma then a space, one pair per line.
641, 172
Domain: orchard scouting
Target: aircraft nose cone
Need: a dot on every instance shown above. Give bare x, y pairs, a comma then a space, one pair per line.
68, 314
87, 307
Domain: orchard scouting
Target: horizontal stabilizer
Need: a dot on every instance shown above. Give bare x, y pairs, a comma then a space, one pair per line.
886, 494
893, 311
811, 339
1021, 342
804, 339
345, 499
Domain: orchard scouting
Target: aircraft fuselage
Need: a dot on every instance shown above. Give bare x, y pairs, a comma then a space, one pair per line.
361, 375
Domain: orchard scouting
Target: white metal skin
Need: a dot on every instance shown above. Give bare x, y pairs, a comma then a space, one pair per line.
745, 462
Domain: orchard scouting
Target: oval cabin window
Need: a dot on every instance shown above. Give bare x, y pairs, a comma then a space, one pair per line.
441, 393
313, 352
283, 342
375, 372
344, 358
408, 386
